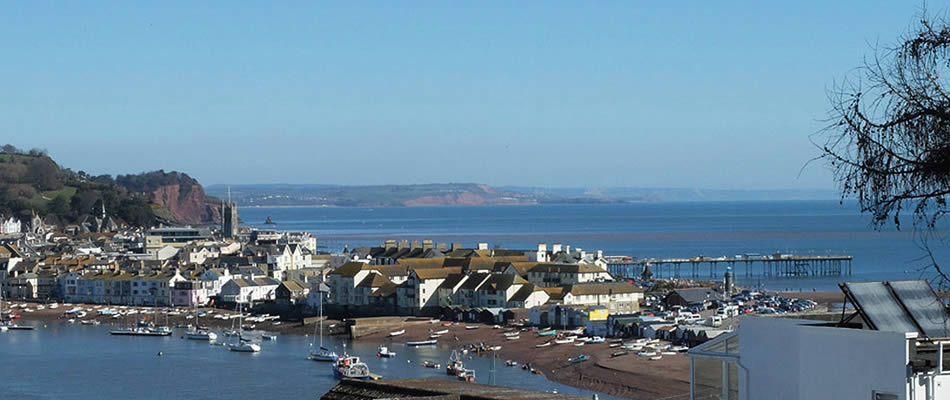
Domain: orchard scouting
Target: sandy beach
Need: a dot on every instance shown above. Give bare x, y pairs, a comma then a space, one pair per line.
629, 376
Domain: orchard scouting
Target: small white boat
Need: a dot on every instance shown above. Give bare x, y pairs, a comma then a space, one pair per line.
564, 341
668, 353
513, 337
655, 358
384, 352
245, 347
422, 343
434, 321
512, 333
545, 344
579, 344
470, 327
201, 334
397, 333
645, 353
494, 348
434, 336
442, 332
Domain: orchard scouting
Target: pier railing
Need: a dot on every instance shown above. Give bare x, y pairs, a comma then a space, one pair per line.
770, 266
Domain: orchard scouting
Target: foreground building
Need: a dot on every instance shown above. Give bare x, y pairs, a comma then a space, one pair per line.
896, 346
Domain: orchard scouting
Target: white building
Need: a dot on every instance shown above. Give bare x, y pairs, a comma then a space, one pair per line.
786, 359
11, 225
249, 290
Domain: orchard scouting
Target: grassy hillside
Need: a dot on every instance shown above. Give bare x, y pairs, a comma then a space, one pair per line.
32, 182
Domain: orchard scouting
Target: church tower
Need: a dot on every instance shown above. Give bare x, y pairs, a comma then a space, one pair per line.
230, 220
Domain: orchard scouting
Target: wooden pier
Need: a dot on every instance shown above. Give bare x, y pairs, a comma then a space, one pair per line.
751, 265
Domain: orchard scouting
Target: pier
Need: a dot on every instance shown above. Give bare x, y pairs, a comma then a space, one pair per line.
748, 265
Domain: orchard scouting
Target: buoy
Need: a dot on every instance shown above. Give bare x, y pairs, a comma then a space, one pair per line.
160, 354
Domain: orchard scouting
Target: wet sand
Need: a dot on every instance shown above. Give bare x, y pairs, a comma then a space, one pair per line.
629, 376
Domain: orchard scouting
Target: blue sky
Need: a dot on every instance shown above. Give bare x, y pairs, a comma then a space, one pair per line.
635, 94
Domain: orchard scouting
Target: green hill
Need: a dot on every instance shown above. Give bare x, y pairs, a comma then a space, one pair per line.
30, 181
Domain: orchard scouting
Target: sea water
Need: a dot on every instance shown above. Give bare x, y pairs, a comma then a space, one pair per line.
643, 230
85, 362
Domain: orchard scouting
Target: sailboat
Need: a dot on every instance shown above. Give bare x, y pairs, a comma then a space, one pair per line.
197, 332
243, 345
321, 353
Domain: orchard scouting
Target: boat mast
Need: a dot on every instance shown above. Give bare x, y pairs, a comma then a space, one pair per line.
320, 295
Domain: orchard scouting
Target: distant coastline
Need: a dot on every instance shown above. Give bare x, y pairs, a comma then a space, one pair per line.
474, 194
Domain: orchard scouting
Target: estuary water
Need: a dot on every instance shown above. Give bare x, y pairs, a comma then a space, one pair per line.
63, 361
644, 230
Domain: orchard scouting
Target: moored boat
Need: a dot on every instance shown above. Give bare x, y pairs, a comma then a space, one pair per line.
397, 333
350, 367
430, 342
384, 352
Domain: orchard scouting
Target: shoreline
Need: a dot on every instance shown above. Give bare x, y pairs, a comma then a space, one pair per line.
627, 376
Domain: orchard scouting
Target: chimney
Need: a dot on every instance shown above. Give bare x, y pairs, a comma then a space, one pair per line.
542, 247
483, 246
415, 245
556, 248
403, 244
441, 246
600, 254
427, 244
456, 246
567, 248
389, 244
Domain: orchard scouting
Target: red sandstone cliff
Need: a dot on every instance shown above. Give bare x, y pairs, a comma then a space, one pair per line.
189, 207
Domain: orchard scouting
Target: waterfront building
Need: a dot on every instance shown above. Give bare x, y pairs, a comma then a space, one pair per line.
550, 274
243, 290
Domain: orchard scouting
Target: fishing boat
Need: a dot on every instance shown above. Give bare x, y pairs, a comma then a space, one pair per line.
431, 364
466, 375
547, 333
579, 358
455, 364
321, 353
397, 333
545, 344
511, 363
430, 342
383, 352
350, 367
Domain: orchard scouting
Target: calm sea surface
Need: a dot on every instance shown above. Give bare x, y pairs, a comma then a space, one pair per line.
79, 362
639, 230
